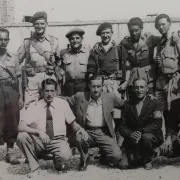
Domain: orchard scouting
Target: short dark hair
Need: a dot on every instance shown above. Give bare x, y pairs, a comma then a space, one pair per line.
96, 77
48, 81
135, 21
4, 30
161, 16
139, 79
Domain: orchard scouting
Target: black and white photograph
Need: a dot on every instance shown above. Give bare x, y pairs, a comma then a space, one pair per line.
90, 90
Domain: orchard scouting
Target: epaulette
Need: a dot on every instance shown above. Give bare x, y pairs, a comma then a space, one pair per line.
53, 37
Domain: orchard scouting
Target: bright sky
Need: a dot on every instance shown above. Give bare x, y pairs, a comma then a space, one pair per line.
71, 10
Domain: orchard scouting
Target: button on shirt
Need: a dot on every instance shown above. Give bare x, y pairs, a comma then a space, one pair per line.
75, 64
35, 115
94, 115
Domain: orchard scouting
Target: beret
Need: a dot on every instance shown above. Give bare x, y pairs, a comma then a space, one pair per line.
39, 15
161, 16
135, 21
103, 26
75, 30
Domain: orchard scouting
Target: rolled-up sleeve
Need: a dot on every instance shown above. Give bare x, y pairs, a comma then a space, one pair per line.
69, 116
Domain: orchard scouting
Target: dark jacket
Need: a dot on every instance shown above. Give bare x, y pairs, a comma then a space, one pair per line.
109, 101
149, 120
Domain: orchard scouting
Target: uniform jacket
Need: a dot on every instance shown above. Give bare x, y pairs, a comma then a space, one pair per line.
149, 120
109, 101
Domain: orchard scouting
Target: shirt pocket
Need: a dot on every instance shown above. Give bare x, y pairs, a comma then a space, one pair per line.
68, 61
83, 65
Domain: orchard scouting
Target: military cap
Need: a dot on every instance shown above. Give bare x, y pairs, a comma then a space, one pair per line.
135, 21
102, 27
75, 30
161, 16
39, 15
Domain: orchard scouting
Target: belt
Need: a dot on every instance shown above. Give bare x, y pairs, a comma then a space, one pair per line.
40, 69
76, 80
6, 83
95, 128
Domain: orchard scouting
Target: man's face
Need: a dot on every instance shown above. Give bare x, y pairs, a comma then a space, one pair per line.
163, 26
49, 70
40, 26
106, 36
75, 40
4, 40
96, 87
135, 32
140, 89
49, 93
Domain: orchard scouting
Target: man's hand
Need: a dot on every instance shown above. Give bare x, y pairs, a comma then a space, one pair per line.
166, 147
21, 103
44, 137
123, 86
83, 133
136, 136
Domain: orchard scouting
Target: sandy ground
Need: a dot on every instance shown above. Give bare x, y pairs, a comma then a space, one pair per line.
165, 169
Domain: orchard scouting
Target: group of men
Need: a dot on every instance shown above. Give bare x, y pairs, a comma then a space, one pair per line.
91, 95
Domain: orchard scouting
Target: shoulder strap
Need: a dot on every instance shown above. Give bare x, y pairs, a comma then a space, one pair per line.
8, 71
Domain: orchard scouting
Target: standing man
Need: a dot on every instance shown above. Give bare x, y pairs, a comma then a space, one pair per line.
140, 49
141, 127
40, 47
10, 96
42, 129
167, 58
75, 59
93, 111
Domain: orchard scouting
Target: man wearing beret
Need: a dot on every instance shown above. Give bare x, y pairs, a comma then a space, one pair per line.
75, 59
140, 49
40, 47
110, 60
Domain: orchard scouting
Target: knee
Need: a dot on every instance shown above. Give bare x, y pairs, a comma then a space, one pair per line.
22, 137
115, 156
147, 137
79, 139
63, 154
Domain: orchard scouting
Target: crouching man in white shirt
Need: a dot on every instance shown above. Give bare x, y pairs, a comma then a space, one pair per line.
42, 129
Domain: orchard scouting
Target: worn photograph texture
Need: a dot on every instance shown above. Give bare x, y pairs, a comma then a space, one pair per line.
89, 90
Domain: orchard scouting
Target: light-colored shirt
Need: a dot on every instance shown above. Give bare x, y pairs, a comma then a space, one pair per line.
139, 105
35, 115
94, 115
75, 64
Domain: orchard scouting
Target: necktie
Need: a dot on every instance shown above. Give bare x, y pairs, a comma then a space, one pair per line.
49, 123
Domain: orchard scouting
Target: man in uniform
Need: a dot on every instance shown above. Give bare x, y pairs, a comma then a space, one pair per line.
75, 59
10, 76
167, 58
40, 47
140, 49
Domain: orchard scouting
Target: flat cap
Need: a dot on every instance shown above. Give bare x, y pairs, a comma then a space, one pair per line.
39, 15
161, 16
75, 30
102, 27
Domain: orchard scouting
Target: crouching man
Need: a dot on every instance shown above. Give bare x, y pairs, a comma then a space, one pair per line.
42, 129
93, 111
141, 127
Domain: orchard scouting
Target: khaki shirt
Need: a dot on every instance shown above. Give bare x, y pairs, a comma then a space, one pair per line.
45, 47
11, 62
75, 64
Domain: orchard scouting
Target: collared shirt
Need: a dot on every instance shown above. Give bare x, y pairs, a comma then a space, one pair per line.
45, 47
11, 62
35, 115
139, 105
75, 64
94, 115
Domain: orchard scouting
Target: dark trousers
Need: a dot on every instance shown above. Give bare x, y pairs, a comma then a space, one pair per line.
70, 89
141, 152
9, 114
100, 138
